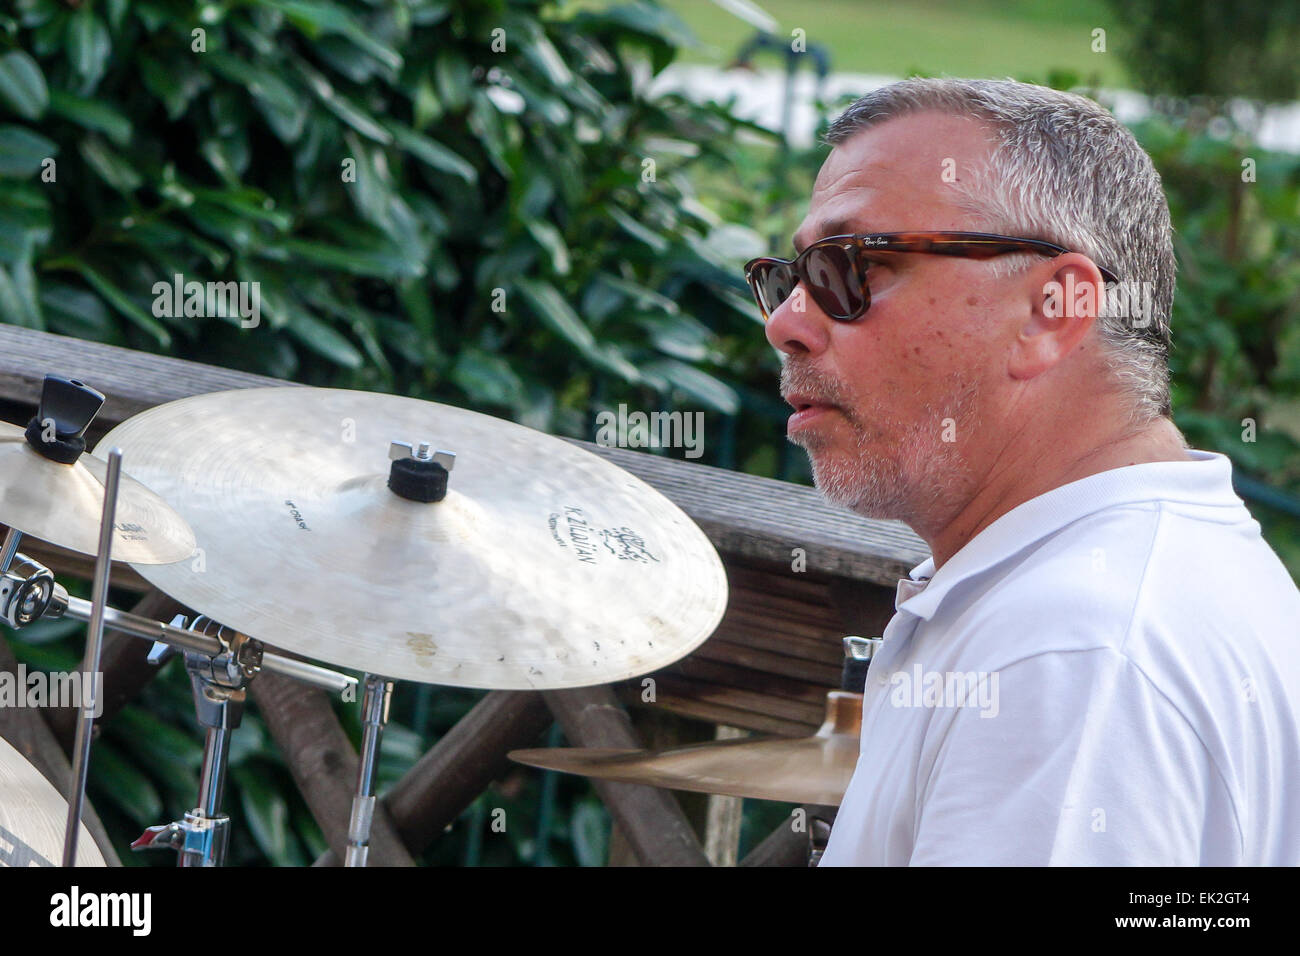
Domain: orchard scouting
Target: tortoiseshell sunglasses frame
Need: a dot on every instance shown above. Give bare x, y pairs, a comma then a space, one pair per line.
967, 245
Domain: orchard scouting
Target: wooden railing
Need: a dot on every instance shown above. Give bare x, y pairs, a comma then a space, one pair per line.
801, 573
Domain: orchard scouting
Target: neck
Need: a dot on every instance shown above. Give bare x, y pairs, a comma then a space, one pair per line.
1025, 469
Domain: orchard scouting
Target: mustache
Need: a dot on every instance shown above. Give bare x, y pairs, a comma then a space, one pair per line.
797, 376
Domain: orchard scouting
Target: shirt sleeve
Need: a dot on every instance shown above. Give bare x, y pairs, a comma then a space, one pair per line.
1081, 762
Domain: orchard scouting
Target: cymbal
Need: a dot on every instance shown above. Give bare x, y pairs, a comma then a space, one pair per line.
543, 567
813, 769
33, 816
62, 504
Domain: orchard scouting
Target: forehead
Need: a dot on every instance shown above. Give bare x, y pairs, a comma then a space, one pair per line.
897, 176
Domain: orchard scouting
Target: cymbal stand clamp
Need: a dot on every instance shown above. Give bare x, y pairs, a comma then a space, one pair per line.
374, 715
220, 682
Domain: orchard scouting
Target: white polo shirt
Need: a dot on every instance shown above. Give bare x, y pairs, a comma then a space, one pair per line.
1109, 674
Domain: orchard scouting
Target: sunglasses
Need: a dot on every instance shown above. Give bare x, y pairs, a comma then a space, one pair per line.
834, 270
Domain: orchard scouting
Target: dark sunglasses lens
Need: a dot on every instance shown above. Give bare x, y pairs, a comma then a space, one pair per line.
774, 282
835, 281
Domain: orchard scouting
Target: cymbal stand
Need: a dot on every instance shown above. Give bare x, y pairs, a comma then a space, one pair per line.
90, 676
220, 684
858, 653
374, 715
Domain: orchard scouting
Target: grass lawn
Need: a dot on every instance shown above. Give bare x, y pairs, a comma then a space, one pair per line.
1020, 38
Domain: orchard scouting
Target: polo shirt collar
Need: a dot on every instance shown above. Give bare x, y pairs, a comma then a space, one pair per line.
1205, 479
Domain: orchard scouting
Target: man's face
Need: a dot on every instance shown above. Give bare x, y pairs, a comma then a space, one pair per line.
890, 399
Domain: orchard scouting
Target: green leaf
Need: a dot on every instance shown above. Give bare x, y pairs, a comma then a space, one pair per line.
92, 114
75, 312
12, 310
590, 828
451, 73
700, 385
109, 166
22, 151
115, 780
22, 85
123, 304
323, 340
552, 309
487, 379
432, 153
382, 263
636, 230
549, 238
267, 815
318, 19
88, 45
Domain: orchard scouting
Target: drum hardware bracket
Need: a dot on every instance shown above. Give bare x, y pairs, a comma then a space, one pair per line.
220, 682
374, 715
29, 592
197, 837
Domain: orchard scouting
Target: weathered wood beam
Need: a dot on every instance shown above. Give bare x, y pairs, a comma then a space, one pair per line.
433, 793
27, 732
650, 819
788, 844
323, 763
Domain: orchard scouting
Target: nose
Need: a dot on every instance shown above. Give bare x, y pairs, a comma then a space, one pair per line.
798, 326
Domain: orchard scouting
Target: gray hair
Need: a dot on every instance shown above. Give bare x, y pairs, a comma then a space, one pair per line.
1065, 170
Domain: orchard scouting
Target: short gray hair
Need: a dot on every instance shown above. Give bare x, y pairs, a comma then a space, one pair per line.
1062, 169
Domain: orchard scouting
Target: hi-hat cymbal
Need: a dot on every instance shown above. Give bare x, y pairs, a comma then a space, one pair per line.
813, 769
544, 567
33, 817
63, 504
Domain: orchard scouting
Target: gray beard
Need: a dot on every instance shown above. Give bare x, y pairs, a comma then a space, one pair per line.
894, 471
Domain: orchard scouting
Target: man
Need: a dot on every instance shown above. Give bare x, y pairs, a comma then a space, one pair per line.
1100, 664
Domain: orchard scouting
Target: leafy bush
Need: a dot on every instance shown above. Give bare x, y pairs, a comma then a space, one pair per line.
469, 202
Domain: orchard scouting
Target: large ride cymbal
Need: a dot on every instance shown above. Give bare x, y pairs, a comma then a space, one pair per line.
63, 504
544, 566
813, 769
33, 816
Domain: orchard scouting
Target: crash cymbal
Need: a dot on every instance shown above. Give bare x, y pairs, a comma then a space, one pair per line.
543, 567
62, 504
813, 769
33, 816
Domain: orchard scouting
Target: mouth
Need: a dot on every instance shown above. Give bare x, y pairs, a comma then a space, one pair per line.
806, 409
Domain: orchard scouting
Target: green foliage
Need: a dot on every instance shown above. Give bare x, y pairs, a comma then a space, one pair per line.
469, 202
1214, 49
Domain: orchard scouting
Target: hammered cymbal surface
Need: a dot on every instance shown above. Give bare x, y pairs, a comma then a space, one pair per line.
33, 816
63, 505
544, 567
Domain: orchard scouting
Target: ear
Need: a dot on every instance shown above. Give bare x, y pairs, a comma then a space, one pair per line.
1065, 295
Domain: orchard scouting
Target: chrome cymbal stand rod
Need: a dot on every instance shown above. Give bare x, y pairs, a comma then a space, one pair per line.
220, 684
374, 714
13, 538
185, 640
90, 702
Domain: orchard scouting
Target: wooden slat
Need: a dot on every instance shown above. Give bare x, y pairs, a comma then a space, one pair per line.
649, 818
684, 704
754, 518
